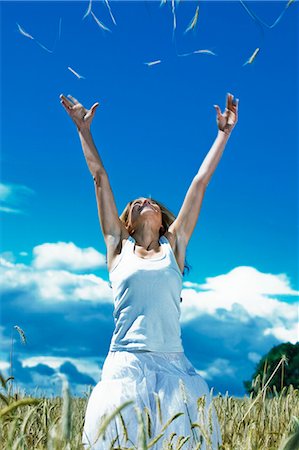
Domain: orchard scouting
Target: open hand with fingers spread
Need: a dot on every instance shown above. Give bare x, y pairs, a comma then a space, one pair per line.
80, 115
229, 118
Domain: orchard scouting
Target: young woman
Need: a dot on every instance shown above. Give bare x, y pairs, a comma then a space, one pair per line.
146, 363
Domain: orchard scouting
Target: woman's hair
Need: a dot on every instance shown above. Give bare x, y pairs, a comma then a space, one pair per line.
167, 218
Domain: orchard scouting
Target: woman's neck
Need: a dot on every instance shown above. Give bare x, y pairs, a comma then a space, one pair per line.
148, 241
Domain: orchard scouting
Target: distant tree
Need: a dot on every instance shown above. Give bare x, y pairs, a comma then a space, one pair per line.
288, 372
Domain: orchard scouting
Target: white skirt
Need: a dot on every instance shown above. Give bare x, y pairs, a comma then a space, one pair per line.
161, 385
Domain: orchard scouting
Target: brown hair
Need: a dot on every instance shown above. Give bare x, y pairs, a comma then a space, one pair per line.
167, 219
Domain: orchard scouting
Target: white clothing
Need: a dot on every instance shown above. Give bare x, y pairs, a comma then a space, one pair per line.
146, 296
141, 376
146, 360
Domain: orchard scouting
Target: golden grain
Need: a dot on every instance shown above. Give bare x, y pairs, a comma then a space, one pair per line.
269, 422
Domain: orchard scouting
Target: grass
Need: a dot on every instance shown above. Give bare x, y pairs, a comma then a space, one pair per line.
269, 421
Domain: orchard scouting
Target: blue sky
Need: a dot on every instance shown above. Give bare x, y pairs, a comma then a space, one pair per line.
153, 129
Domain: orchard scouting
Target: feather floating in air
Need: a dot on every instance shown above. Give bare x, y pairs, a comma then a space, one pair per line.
153, 63
257, 19
75, 73
110, 12
59, 34
59, 28
173, 13
252, 57
101, 25
24, 33
193, 21
208, 52
42, 46
88, 11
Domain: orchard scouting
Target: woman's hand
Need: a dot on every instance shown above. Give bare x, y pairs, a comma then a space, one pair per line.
81, 116
229, 118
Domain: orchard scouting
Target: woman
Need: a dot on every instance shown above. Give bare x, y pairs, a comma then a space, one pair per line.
146, 249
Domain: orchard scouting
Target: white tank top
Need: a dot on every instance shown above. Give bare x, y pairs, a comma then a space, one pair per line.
146, 295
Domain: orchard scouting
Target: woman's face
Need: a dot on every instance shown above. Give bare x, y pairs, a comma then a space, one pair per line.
145, 208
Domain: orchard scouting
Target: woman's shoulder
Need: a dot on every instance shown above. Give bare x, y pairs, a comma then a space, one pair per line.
178, 247
115, 248
171, 239
125, 236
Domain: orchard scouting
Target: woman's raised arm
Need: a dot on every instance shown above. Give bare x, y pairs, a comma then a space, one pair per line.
185, 222
110, 223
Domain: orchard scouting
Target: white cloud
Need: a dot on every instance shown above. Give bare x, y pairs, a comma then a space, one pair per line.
54, 285
282, 334
11, 195
4, 365
84, 365
8, 256
246, 279
245, 293
219, 367
51, 384
9, 210
249, 278
66, 255
5, 191
254, 357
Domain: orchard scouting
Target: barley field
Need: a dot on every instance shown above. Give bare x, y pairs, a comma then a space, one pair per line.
267, 420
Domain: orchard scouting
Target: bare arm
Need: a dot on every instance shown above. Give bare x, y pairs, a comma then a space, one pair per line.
185, 222
108, 216
92, 157
110, 223
212, 159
